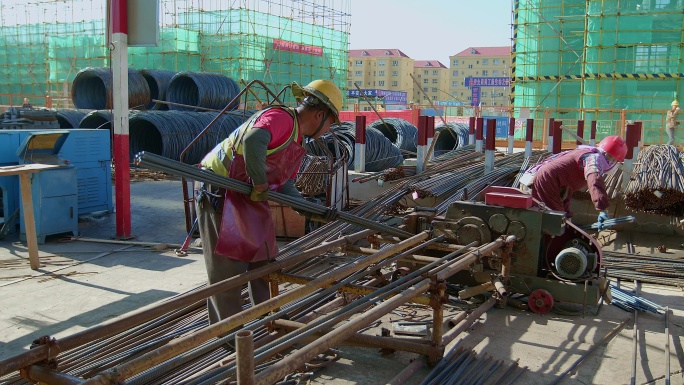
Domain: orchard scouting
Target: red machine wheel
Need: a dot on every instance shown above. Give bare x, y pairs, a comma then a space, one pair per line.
540, 301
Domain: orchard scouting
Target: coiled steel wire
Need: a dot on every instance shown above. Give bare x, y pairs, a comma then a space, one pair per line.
399, 132
70, 118
451, 136
92, 89
657, 184
167, 133
381, 154
158, 82
201, 89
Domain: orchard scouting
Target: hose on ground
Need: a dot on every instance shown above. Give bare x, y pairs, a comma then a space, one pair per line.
200, 89
158, 82
92, 89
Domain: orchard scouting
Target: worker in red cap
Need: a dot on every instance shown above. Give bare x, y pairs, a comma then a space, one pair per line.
236, 230
555, 180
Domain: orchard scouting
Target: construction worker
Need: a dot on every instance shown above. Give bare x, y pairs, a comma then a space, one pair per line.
671, 122
265, 151
558, 178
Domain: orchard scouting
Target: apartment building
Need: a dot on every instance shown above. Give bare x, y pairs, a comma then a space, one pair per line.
433, 77
481, 76
380, 69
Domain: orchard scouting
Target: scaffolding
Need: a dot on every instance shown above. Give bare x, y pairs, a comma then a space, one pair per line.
44, 43
602, 60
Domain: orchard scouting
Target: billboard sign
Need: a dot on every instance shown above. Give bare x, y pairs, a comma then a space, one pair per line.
390, 97
487, 82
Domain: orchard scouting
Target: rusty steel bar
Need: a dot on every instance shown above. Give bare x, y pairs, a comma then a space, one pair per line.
456, 320
43, 352
363, 340
41, 374
468, 259
308, 352
475, 290
438, 298
407, 372
146, 361
472, 317
244, 352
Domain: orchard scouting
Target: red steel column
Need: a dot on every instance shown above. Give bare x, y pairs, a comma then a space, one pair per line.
360, 145
557, 137
592, 140
421, 143
119, 42
529, 137
511, 134
580, 131
490, 145
471, 130
479, 134
551, 132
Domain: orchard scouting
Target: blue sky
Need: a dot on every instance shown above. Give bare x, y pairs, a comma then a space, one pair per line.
430, 29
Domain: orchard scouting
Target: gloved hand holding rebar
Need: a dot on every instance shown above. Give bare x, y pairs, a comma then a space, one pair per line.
259, 194
329, 216
602, 217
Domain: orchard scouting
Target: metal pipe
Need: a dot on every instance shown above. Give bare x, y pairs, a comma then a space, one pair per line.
471, 257
148, 360
438, 298
43, 352
407, 372
667, 345
475, 290
244, 351
635, 337
41, 374
456, 320
500, 288
472, 317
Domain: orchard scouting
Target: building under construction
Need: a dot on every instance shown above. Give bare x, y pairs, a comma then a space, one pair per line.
43, 44
599, 60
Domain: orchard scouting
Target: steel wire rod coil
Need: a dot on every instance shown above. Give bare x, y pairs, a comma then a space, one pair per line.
344, 134
399, 132
70, 118
158, 82
92, 89
451, 136
167, 133
657, 184
381, 154
200, 89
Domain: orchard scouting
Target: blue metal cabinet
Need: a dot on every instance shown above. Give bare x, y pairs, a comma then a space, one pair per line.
88, 150
54, 192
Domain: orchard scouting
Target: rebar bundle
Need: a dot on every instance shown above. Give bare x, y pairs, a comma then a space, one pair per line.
661, 269
92, 89
465, 367
312, 176
657, 184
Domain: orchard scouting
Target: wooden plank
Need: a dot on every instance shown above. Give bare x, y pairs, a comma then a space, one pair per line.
25, 169
29, 220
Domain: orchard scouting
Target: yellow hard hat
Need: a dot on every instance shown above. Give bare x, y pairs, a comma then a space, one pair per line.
323, 90
675, 103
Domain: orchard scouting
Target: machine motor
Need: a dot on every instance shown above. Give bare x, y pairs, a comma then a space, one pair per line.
575, 261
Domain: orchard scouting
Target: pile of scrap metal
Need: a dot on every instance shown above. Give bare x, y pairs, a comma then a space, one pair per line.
366, 262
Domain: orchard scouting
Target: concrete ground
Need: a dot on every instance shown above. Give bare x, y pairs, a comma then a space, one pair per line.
85, 283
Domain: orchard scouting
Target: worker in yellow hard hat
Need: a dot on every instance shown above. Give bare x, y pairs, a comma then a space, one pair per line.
237, 231
671, 121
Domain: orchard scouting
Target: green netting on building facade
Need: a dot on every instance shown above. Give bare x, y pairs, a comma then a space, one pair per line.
602, 60
276, 42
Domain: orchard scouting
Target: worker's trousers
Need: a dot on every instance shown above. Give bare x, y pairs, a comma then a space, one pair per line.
671, 135
219, 268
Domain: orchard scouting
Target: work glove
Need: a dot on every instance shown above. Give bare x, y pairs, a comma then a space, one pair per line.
258, 195
329, 216
602, 217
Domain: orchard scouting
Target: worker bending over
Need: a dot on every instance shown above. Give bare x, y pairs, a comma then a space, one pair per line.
671, 122
266, 151
559, 177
